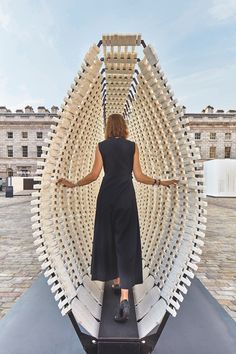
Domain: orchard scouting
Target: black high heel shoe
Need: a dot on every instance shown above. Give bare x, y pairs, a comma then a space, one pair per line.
122, 312
116, 288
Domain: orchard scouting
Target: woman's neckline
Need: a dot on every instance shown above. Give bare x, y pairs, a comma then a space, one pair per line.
116, 137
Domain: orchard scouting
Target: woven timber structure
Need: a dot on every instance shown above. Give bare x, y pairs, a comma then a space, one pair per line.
115, 79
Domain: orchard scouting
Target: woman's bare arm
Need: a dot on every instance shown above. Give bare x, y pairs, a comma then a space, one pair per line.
138, 174
91, 177
141, 177
95, 172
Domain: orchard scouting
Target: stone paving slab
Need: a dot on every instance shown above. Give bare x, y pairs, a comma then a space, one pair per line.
19, 265
217, 269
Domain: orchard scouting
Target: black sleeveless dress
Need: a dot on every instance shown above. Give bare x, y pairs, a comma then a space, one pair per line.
116, 250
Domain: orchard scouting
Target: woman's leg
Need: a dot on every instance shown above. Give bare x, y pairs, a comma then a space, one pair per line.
124, 294
123, 310
116, 281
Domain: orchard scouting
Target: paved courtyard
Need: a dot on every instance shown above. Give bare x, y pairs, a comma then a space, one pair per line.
19, 265
217, 269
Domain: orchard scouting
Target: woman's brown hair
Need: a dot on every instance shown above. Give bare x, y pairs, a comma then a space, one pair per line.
116, 126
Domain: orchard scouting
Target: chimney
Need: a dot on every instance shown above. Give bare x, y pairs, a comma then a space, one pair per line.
209, 109
3, 109
29, 109
54, 109
41, 109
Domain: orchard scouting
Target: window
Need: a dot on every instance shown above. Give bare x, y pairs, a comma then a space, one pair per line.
212, 135
9, 150
227, 151
227, 136
9, 172
199, 149
24, 135
39, 151
212, 152
197, 136
39, 135
24, 172
10, 135
24, 151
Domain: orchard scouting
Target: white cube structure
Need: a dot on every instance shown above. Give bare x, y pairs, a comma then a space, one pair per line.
220, 177
172, 220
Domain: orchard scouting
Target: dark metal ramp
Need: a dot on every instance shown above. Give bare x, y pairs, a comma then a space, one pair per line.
35, 325
117, 337
109, 328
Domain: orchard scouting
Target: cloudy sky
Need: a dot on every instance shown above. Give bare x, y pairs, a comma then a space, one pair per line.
43, 42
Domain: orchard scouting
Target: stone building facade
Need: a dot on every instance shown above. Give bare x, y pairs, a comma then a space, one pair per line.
21, 139
214, 132
22, 134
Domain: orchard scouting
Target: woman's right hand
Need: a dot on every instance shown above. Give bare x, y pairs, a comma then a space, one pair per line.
65, 183
169, 182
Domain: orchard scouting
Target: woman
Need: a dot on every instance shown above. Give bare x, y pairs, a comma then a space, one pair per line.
116, 250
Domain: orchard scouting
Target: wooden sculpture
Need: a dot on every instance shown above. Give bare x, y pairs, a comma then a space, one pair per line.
172, 221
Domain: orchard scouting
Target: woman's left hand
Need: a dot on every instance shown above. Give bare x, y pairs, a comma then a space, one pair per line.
65, 183
169, 182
